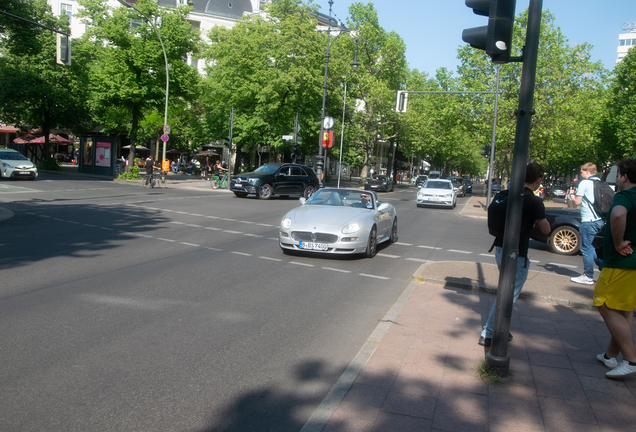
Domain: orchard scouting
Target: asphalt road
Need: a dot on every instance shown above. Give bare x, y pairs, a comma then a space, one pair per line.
130, 309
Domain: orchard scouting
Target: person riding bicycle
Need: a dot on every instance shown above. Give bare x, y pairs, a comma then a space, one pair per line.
150, 167
218, 169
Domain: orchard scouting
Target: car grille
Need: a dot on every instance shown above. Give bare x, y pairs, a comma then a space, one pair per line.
434, 195
314, 237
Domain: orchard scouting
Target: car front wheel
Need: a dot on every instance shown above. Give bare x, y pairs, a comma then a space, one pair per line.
372, 244
394, 232
265, 192
565, 240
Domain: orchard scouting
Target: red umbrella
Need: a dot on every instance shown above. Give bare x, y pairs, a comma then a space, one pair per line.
52, 139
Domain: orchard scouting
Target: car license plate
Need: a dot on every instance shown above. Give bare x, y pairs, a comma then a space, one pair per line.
374, 186
24, 172
313, 246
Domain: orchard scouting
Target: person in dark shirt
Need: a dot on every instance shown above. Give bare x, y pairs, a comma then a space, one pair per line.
150, 167
533, 212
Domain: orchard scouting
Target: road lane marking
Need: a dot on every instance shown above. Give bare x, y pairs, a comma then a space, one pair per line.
232, 232
301, 264
404, 244
107, 229
165, 239
270, 258
487, 255
417, 260
241, 253
429, 247
190, 244
213, 228
459, 251
563, 265
374, 276
214, 249
177, 223
194, 225
387, 255
336, 270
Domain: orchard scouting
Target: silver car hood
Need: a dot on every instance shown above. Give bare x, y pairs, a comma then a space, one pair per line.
315, 216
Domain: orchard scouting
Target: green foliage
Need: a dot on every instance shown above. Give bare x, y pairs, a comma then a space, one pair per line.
619, 128
49, 164
132, 175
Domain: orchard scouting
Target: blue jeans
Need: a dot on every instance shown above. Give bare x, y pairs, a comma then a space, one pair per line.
588, 230
523, 265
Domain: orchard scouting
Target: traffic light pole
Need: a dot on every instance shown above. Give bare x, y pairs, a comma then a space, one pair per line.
492, 143
497, 357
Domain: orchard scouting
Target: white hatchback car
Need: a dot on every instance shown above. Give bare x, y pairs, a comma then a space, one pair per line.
15, 165
438, 192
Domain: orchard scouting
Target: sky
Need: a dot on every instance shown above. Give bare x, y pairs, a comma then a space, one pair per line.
432, 29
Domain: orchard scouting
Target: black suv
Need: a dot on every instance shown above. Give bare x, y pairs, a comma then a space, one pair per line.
276, 179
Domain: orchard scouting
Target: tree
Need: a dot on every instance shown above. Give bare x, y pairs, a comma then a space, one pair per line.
35, 89
569, 99
128, 76
619, 130
383, 71
268, 69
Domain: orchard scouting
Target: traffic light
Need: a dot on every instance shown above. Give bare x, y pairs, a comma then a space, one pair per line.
496, 37
327, 139
485, 151
63, 49
401, 101
228, 142
295, 149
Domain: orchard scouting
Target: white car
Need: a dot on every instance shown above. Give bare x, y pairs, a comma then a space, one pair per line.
438, 192
15, 165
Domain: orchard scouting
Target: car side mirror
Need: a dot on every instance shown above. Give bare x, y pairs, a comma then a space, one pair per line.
383, 206
302, 200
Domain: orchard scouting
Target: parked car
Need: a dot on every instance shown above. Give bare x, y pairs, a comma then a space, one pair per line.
420, 180
438, 192
458, 185
379, 182
564, 237
16, 165
276, 179
339, 221
496, 187
558, 192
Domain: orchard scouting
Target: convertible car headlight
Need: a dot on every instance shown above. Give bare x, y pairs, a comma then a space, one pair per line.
351, 228
286, 223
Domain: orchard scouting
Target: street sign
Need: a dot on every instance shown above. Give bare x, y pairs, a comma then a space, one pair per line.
166, 130
164, 138
288, 137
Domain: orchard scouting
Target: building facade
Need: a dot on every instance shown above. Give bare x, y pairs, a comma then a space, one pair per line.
626, 40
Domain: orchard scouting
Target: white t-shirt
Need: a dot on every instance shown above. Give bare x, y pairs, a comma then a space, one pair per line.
586, 189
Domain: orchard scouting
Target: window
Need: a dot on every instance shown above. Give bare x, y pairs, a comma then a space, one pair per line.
621, 42
66, 9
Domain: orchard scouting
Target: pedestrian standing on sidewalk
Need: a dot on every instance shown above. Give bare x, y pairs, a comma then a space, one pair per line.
591, 223
533, 212
615, 291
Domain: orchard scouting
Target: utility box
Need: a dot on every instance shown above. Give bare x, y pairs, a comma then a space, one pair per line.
97, 155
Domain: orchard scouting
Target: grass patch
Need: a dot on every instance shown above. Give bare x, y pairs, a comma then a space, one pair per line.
488, 375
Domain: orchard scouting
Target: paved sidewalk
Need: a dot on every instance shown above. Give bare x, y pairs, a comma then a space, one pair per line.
417, 371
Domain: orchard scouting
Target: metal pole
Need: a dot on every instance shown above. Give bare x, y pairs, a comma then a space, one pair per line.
497, 357
319, 163
229, 159
344, 105
492, 143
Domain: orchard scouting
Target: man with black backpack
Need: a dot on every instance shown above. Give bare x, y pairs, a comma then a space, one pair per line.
533, 213
590, 195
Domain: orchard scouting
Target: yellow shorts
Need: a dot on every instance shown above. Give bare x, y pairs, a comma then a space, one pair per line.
616, 288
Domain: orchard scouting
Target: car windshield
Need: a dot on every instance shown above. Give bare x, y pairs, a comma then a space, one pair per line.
267, 169
342, 198
12, 156
437, 185
380, 177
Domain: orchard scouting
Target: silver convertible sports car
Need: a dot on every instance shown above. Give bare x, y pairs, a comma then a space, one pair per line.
339, 221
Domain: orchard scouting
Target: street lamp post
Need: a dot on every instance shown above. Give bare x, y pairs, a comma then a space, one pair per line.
165, 57
354, 65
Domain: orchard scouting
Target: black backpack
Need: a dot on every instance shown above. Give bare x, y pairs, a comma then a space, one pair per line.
603, 198
497, 214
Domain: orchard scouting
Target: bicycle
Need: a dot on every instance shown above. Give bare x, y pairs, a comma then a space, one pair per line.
156, 178
216, 183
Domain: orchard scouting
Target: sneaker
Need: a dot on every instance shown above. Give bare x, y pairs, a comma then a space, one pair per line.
609, 362
583, 280
622, 370
484, 341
